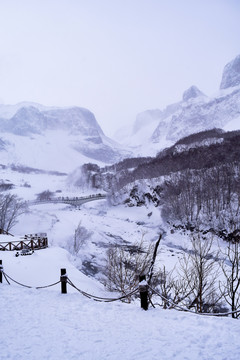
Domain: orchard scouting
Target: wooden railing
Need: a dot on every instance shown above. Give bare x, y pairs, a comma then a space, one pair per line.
31, 241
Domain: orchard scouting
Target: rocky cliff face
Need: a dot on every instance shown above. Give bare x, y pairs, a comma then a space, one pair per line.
32, 128
200, 114
191, 93
231, 74
32, 120
196, 112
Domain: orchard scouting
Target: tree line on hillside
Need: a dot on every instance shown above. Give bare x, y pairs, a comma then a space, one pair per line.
171, 160
206, 198
209, 197
197, 185
201, 157
202, 135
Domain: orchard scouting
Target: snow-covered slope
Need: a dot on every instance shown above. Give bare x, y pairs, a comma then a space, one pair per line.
199, 114
44, 324
233, 124
153, 130
231, 74
57, 139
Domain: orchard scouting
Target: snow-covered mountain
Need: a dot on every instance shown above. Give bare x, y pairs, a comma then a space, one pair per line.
155, 129
38, 146
62, 139
53, 138
231, 74
35, 119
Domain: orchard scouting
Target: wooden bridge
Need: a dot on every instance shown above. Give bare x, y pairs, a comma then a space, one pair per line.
31, 241
74, 201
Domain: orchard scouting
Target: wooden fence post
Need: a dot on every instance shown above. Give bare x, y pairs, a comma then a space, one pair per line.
1, 270
143, 289
63, 279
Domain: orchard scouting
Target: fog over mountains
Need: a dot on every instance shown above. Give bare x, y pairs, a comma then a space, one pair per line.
54, 138
155, 129
62, 139
35, 119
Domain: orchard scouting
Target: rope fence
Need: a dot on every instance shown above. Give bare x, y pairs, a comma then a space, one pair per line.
63, 280
190, 311
143, 289
7, 277
101, 299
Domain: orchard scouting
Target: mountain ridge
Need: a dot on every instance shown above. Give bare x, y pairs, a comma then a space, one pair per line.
49, 133
155, 129
196, 151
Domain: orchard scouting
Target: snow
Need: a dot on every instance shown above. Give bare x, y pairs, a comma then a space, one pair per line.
44, 324
50, 152
43, 268
49, 138
233, 125
159, 129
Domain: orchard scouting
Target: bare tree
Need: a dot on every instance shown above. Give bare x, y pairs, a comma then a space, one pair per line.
231, 270
11, 207
81, 234
174, 290
210, 196
201, 270
124, 264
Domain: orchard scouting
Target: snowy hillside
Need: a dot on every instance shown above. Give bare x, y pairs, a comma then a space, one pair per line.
231, 74
156, 129
58, 139
45, 324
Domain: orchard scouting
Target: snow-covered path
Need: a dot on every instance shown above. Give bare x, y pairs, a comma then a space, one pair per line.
44, 324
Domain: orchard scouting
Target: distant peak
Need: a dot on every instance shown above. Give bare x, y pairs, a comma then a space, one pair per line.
231, 74
191, 93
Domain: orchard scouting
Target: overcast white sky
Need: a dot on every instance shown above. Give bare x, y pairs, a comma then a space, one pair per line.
114, 57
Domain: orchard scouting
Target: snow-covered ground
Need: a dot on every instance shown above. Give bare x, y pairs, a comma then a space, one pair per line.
233, 125
107, 226
50, 152
45, 324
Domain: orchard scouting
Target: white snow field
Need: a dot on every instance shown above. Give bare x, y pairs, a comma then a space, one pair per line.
39, 324
43, 324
